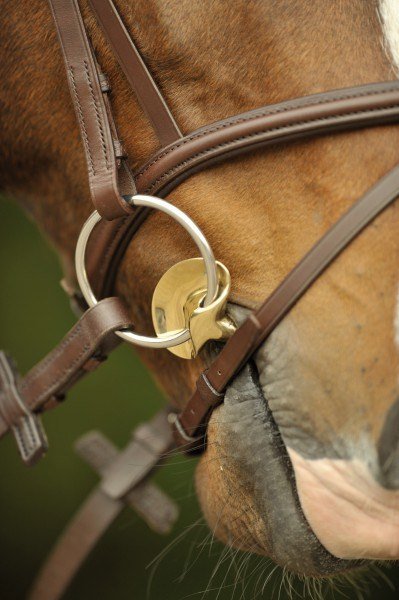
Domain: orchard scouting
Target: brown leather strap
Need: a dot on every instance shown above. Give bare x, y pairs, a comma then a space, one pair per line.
89, 524
85, 347
334, 111
124, 483
140, 79
91, 112
247, 339
339, 110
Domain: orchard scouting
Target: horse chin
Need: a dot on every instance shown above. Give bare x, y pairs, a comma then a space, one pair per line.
246, 484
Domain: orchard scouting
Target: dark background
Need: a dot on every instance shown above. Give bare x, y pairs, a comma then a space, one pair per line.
36, 503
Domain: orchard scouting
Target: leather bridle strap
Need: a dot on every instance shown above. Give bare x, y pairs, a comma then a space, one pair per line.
125, 481
109, 175
88, 88
212, 384
81, 351
151, 100
299, 118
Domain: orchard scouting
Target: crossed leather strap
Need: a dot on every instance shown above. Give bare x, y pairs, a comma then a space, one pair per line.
110, 179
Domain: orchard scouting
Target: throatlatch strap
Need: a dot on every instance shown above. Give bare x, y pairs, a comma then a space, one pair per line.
247, 339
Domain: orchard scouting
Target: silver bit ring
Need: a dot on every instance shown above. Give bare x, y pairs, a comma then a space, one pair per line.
168, 339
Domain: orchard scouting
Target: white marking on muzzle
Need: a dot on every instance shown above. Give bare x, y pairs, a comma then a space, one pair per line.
350, 513
389, 17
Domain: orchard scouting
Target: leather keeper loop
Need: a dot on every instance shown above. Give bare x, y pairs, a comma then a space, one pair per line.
11, 403
190, 427
209, 395
26, 426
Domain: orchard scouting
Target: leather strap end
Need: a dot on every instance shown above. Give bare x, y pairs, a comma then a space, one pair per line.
26, 426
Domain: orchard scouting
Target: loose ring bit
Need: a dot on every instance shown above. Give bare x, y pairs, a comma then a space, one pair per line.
168, 339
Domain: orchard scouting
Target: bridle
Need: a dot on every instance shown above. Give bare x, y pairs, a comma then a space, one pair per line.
123, 199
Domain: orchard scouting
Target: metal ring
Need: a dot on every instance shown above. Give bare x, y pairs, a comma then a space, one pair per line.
167, 340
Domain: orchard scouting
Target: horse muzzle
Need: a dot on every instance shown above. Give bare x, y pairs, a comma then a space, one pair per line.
318, 506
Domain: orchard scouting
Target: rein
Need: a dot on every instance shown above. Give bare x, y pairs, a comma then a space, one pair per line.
116, 192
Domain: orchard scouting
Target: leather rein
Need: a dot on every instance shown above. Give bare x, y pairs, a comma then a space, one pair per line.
111, 181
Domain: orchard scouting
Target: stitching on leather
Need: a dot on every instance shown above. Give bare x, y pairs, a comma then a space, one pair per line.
30, 378
67, 371
251, 117
98, 119
19, 437
257, 134
82, 121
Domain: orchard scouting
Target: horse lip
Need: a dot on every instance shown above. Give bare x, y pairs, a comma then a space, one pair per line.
262, 459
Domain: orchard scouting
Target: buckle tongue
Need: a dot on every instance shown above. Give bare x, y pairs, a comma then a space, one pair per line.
26, 425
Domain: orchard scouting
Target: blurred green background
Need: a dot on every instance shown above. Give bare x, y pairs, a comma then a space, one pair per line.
130, 562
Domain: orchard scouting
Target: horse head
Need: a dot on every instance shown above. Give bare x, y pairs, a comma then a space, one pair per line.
302, 459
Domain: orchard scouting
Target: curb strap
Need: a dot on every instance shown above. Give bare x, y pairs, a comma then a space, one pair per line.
85, 347
124, 483
209, 393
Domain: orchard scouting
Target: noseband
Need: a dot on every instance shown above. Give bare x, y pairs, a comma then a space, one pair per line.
123, 199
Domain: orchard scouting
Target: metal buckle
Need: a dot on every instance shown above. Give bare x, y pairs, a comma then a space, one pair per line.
167, 339
26, 425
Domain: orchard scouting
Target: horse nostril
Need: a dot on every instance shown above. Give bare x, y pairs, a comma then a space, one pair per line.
388, 449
